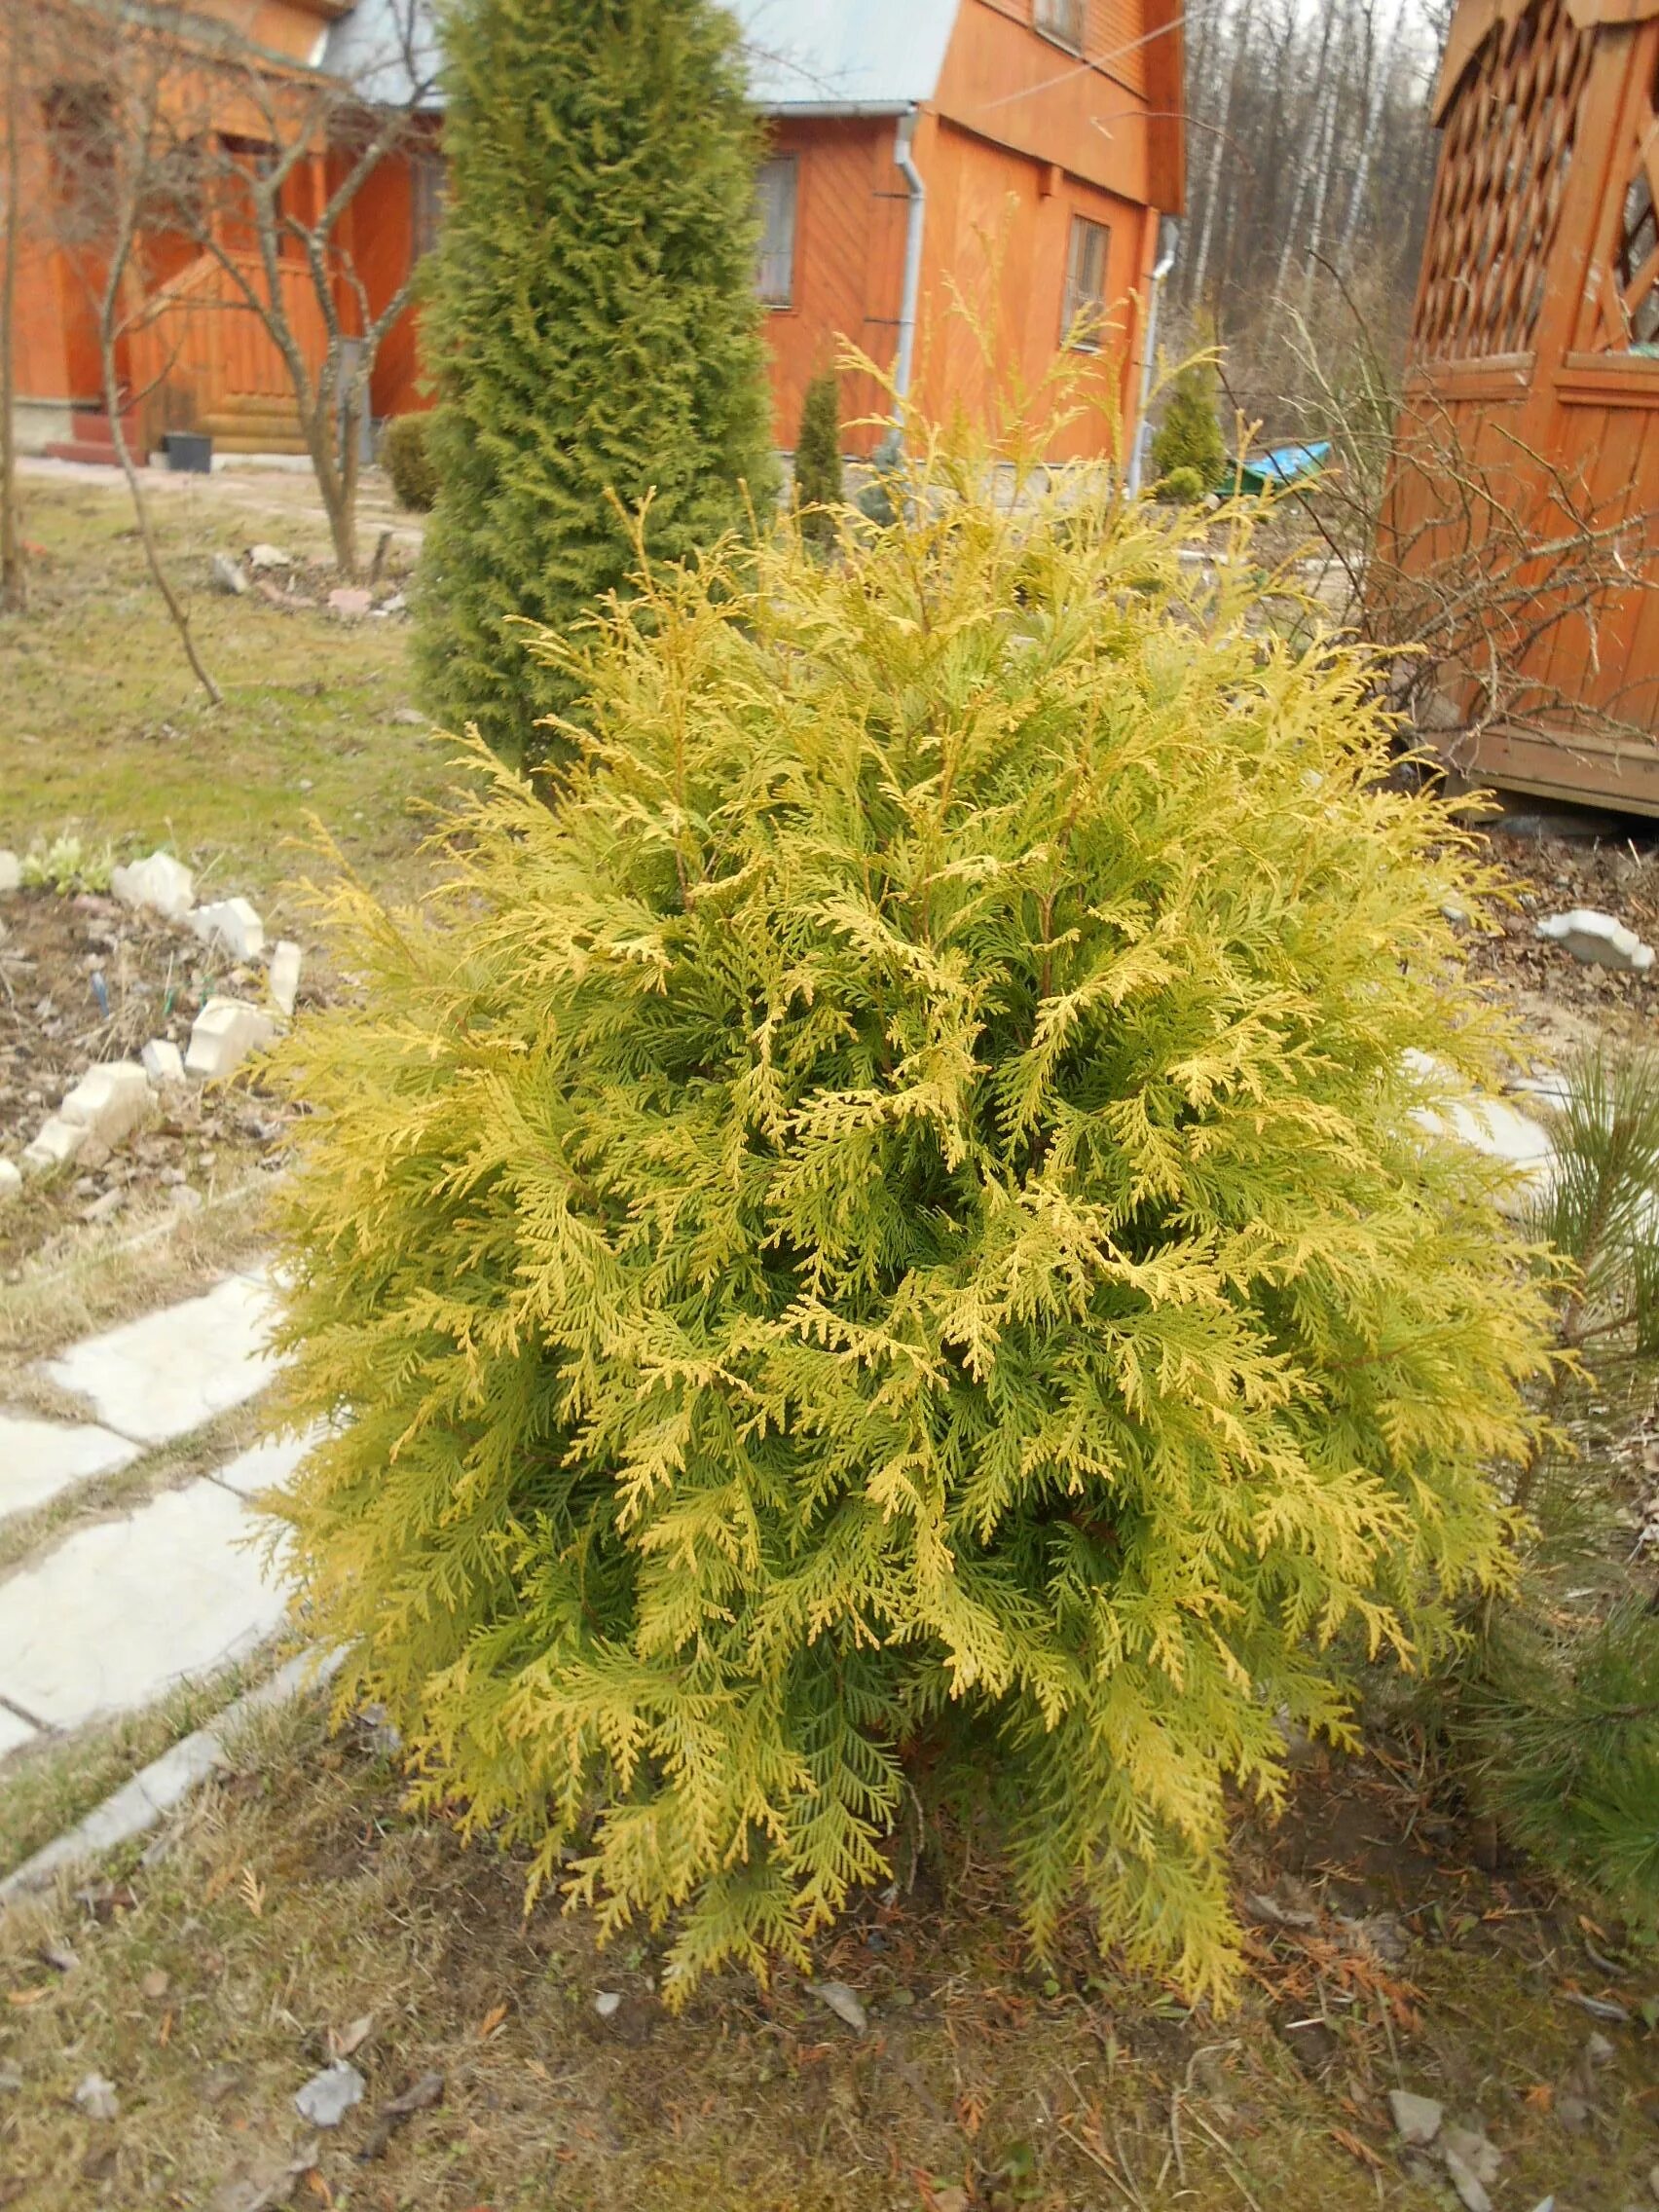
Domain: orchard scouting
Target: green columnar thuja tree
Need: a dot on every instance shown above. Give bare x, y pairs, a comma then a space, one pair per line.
1188, 440
883, 1245
593, 329
818, 484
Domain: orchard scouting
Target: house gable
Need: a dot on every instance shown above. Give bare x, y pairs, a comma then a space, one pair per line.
1108, 113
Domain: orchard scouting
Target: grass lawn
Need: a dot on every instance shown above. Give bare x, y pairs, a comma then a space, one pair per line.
102, 731
301, 1909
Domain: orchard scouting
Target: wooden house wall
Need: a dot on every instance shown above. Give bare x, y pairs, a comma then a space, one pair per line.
851, 209
1000, 227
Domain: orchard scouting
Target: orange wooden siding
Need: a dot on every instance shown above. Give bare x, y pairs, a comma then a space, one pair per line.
848, 266
381, 246
995, 287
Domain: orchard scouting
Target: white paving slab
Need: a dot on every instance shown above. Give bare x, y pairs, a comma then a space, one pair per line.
118, 1612
39, 1459
166, 1374
15, 1733
269, 1465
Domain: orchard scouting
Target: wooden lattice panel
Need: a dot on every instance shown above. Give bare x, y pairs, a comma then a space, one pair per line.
1625, 312
1510, 132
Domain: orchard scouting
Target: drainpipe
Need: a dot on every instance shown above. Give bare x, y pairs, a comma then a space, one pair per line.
916, 224
1169, 240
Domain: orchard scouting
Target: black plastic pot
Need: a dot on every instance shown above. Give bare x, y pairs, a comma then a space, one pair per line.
188, 453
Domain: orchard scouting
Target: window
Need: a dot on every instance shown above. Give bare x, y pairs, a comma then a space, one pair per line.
776, 197
1083, 315
426, 190
1061, 20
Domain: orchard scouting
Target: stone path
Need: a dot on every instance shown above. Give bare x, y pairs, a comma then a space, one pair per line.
113, 1613
164, 1376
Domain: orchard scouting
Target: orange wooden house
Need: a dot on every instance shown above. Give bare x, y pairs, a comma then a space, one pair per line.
1017, 154
1535, 358
1021, 153
198, 361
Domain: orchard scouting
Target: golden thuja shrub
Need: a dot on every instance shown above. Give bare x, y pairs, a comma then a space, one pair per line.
881, 1239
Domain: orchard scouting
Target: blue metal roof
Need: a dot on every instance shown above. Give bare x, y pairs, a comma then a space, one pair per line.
805, 56
823, 56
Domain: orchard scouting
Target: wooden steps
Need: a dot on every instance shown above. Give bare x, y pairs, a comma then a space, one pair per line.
93, 440
254, 425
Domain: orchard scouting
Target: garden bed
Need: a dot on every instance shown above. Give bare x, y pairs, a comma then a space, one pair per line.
84, 979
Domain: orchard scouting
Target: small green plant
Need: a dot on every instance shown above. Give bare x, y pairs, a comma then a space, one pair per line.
67, 864
1190, 436
1184, 488
818, 486
1554, 1707
406, 458
879, 1250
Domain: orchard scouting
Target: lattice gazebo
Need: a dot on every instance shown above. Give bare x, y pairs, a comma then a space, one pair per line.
1534, 398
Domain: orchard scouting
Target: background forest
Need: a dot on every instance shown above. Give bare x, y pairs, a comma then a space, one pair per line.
1311, 158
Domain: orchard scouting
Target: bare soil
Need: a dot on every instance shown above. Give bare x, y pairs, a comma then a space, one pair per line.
1566, 1006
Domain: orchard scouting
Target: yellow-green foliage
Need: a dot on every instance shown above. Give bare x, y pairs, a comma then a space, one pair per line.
881, 1239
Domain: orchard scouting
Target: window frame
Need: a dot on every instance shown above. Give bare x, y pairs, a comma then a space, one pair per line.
1049, 19
1079, 234
429, 200
771, 301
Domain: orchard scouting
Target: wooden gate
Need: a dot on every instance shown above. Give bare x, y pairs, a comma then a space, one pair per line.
1532, 428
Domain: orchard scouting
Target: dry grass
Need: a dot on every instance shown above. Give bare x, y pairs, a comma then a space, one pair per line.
95, 1278
102, 732
299, 1897
52, 1785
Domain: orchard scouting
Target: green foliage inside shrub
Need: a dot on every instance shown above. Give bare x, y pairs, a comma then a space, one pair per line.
1189, 437
818, 486
593, 328
881, 1243
1183, 488
406, 457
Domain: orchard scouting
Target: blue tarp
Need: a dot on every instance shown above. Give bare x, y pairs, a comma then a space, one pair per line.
1285, 465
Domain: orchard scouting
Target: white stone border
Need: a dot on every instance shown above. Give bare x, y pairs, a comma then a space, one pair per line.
139, 1804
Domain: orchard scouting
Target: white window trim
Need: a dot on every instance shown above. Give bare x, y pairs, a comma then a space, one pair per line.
1075, 336
785, 305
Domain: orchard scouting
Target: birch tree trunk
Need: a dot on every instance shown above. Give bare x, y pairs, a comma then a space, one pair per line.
1311, 149
1212, 186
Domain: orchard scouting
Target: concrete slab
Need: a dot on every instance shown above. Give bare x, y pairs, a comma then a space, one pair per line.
40, 1458
166, 1374
15, 1733
268, 1466
118, 1612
